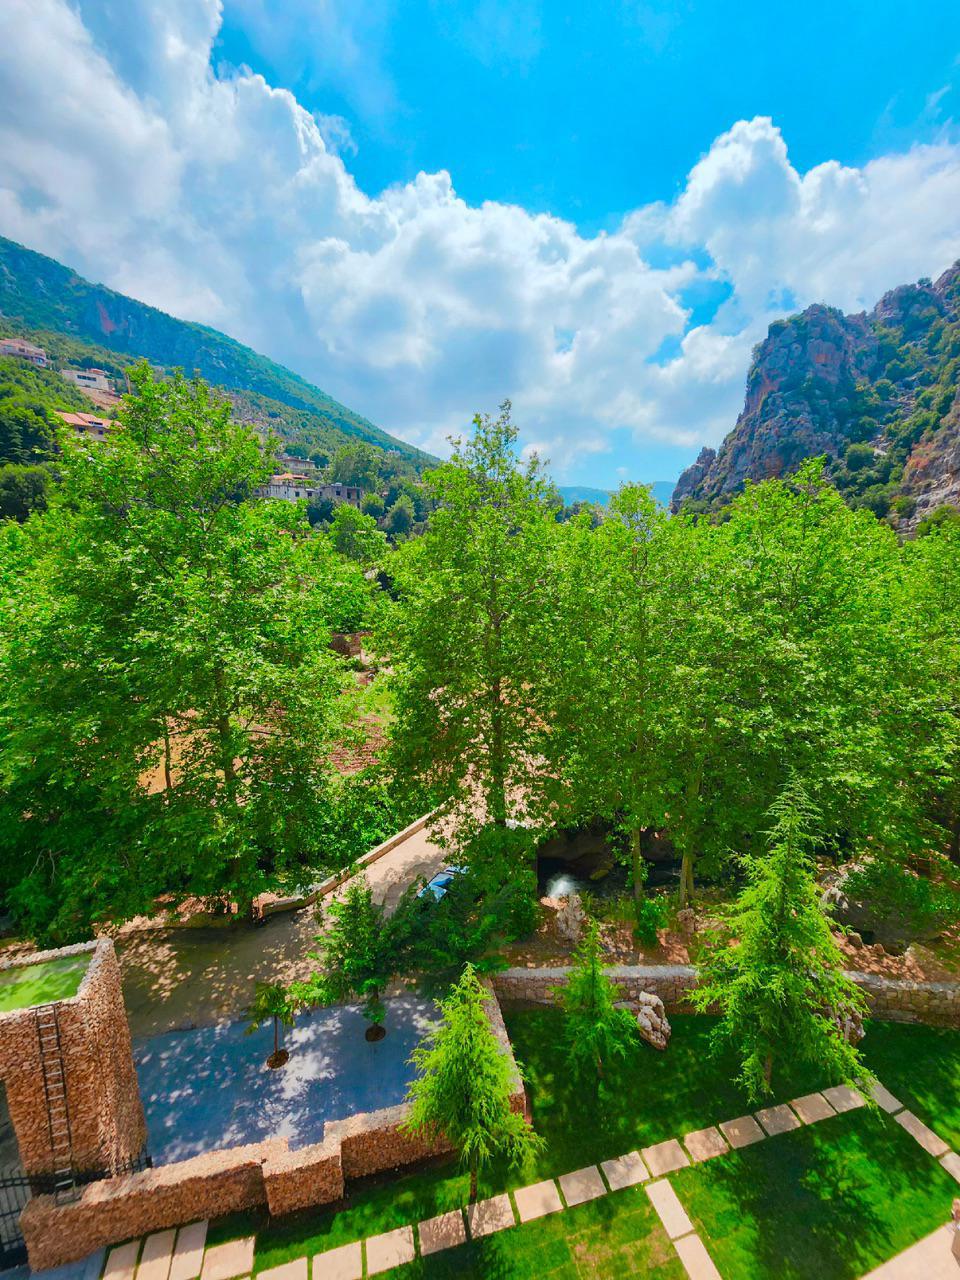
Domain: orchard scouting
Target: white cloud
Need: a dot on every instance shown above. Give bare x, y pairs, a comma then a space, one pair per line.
124, 152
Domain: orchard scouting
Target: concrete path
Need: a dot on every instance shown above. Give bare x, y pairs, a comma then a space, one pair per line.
191, 977
929, 1259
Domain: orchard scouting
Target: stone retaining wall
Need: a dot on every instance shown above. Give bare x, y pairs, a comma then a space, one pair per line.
208, 1186
934, 1003
107, 1126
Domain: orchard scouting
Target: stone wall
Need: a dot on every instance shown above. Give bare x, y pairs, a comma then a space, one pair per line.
934, 1003
266, 1174
107, 1126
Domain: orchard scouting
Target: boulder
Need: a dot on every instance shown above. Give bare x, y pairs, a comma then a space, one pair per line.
570, 917
651, 1018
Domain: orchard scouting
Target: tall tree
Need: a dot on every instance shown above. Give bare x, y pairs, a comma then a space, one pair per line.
464, 1083
466, 640
168, 697
778, 979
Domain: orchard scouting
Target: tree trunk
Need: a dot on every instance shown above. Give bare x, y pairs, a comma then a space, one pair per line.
639, 871
691, 799
686, 879
473, 1183
167, 763
768, 1070
276, 1036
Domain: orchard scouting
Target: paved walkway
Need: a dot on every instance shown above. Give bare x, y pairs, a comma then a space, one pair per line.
191, 977
929, 1259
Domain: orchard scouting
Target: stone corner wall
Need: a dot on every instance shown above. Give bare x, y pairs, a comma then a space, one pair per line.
267, 1174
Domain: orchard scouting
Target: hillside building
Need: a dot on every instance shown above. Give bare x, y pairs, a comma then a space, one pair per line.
295, 488
23, 351
88, 425
88, 379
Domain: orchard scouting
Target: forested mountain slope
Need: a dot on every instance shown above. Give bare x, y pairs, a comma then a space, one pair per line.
40, 294
878, 393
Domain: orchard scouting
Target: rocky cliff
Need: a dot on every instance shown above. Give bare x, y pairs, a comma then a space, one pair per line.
878, 393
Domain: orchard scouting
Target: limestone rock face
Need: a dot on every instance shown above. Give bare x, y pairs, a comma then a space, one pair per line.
570, 918
651, 1018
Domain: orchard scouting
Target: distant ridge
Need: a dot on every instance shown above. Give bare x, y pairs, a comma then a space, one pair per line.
43, 294
662, 490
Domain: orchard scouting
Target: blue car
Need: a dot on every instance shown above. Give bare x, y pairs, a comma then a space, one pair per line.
441, 882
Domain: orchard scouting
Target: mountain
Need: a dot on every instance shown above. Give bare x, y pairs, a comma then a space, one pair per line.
40, 294
878, 393
570, 493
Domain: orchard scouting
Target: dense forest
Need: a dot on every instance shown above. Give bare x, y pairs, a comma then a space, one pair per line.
170, 708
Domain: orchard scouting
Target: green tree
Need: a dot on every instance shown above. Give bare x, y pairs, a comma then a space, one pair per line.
356, 536
465, 638
168, 699
400, 517
779, 980
271, 1002
596, 1031
359, 949
464, 1086
23, 490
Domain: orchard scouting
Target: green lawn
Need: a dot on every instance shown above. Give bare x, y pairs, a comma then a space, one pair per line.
25, 985
921, 1065
829, 1202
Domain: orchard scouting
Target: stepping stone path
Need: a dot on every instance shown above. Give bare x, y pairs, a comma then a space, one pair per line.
392, 1249
537, 1201
181, 1255
444, 1232
487, 1216
704, 1144
584, 1185
742, 1131
343, 1263
779, 1119
625, 1171
665, 1157
812, 1107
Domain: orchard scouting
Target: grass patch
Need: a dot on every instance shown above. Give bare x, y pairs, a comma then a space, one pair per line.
828, 1202
921, 1065
23, 986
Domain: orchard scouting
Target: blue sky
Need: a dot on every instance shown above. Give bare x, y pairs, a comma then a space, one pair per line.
589, 110
428, 206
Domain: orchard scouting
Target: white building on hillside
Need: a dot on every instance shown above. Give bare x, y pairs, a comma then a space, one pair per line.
23, 351
88, 379
294, 488
88, 425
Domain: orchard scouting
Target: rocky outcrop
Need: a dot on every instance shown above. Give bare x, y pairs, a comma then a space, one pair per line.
651, 1018
822, 381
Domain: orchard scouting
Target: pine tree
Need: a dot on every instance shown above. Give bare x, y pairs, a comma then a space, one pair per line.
464, 1084
779, 981
596, 1031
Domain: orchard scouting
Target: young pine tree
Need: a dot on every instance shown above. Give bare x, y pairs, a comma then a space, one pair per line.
596, 1031
464, 1085
779, 982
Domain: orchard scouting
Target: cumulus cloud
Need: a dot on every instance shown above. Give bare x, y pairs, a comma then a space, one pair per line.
216, 196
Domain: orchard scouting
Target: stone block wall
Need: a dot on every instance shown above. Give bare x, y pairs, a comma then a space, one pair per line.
107, 1125
263, 1174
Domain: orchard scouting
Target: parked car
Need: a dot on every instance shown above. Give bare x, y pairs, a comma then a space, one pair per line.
441, 882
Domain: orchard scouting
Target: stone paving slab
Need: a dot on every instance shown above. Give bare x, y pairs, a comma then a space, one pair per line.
389, 1250
843, 1098
487, 1216
582, 1185
931, 1142
157, 1254
445, 1231
778, 1119
625, 1171
665, 1157
122, 1261
704, 1144
227, 1261
742, 1132
696, 1261
188, 1254
812, 1107
296, 1270
343, 1263
929, 1259
538, 1200
951, 1162
669, 1209
884, 1098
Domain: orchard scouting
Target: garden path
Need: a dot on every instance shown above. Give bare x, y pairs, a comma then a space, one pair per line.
181, 977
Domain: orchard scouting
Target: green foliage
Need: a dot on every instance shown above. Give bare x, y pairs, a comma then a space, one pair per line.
356, 536
23, 490
596, 1032
168, 697
778, 979
906, 902
359, 949
946, 514
464, 1085
271, 1003
650, 916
